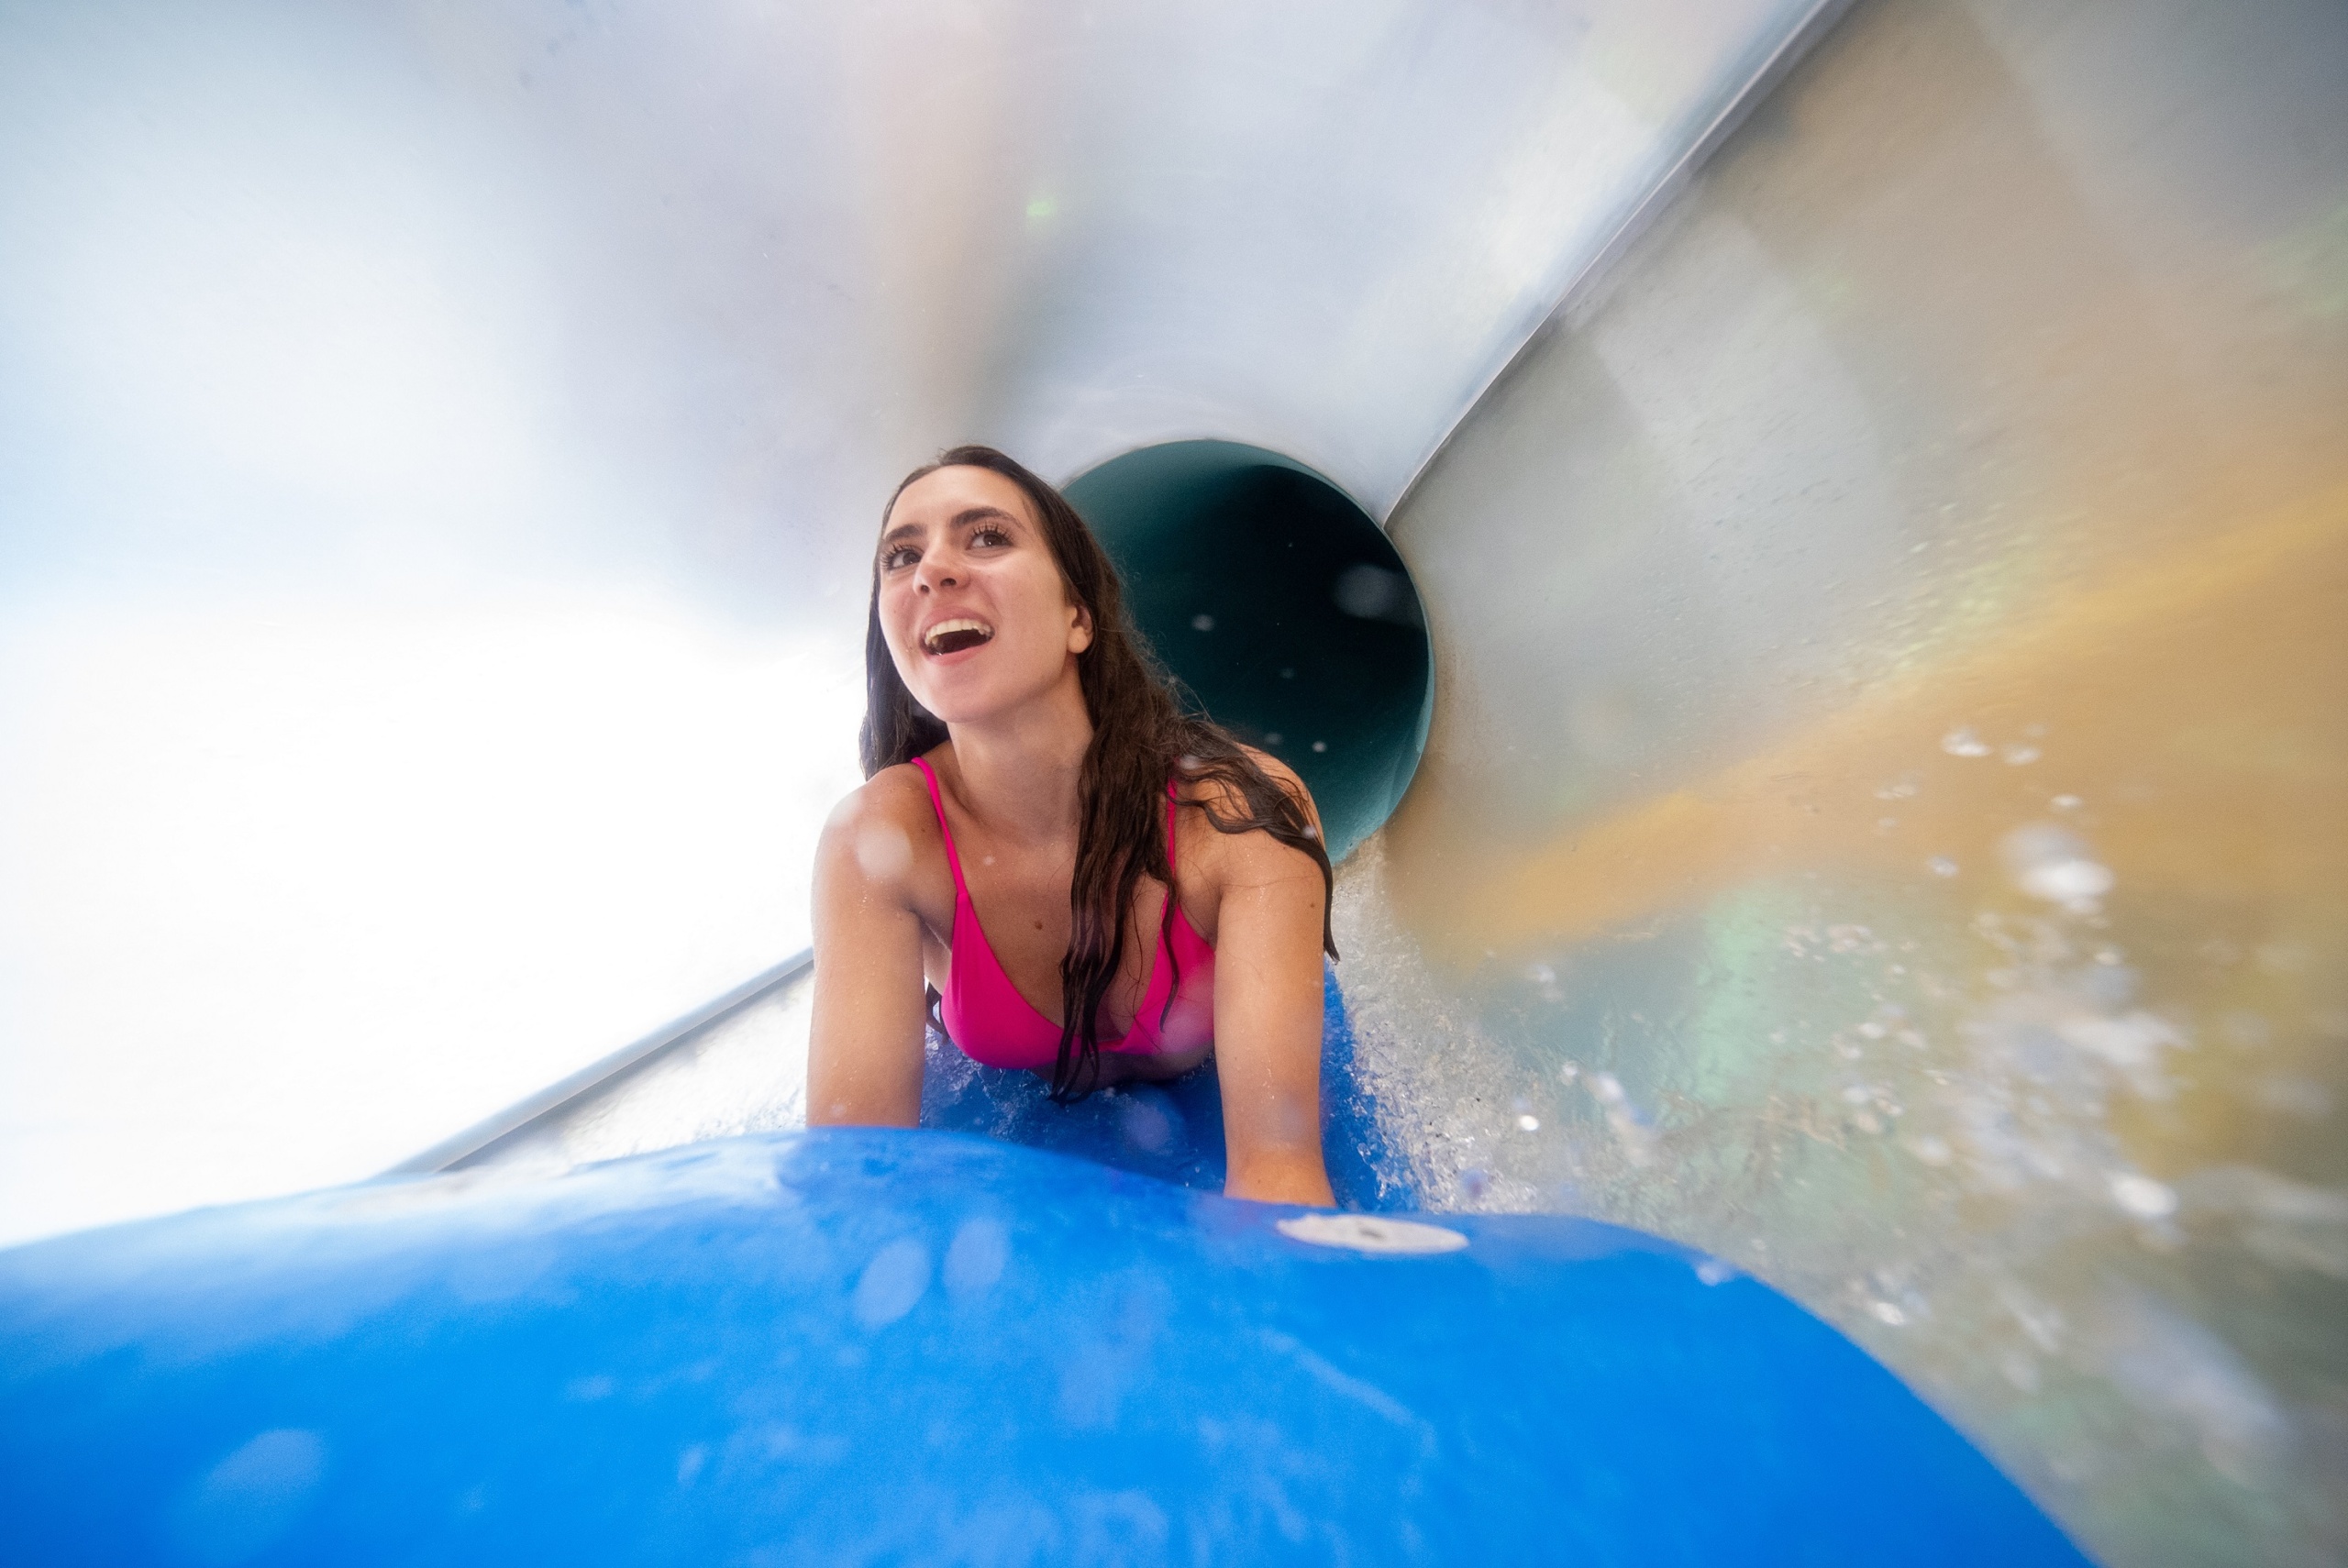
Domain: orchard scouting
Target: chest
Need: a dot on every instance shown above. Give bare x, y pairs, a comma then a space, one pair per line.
1019, 895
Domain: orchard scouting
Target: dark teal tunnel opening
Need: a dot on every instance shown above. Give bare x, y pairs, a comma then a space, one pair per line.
1284, 609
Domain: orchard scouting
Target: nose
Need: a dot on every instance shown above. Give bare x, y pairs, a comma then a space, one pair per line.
933, 572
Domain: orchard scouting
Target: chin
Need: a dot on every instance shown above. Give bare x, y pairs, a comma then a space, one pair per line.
977, 702
966, 706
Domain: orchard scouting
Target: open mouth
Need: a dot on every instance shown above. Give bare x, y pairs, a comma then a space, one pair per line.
954, 636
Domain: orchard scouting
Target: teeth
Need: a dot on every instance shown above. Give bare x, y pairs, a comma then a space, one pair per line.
953, 636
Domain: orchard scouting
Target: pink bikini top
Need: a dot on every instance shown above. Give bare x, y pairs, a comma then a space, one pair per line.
986, 1016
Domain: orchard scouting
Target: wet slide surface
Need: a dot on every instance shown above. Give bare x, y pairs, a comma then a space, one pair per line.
864, 1346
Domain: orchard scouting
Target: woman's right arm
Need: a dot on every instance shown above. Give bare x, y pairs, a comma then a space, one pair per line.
864, 1048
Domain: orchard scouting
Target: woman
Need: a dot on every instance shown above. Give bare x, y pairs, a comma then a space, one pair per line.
1032, 792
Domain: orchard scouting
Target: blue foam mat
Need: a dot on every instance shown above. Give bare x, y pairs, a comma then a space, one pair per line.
857, 1346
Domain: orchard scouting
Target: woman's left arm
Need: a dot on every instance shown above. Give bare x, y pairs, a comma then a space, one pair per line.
1268, 1009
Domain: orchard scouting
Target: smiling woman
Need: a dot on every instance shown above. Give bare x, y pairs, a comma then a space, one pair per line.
1093, 884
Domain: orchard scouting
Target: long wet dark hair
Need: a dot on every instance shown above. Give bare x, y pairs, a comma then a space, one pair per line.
1143, 736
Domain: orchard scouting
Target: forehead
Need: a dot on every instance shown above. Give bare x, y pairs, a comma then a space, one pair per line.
941, 496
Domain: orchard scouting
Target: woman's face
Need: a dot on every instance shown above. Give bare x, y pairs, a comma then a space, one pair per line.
971, 601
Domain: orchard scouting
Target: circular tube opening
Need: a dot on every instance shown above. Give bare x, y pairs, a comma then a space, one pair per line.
1282, 607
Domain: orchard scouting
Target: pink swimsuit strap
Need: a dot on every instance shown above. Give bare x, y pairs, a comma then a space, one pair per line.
994, 1024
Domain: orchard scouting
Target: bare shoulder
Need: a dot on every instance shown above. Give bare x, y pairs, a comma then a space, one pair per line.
1223, 798
1255, 854
1285, 777
877, 831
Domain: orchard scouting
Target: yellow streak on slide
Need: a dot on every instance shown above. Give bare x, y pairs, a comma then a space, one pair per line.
2195, 704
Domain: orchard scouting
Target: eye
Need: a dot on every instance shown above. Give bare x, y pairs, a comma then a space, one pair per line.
898, 555
990, 534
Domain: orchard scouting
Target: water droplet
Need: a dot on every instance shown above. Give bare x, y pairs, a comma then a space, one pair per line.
1320, 745
1274, 738
2066, 802
893, 1284
2020, 755
1370, 592
2052, 863
1202, 623
883, 851
1964, 743
1885, 1312
2143, 1197
1941, 866
976, 1259
1528, 1124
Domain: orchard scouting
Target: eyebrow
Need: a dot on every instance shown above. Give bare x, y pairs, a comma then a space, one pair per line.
966, 515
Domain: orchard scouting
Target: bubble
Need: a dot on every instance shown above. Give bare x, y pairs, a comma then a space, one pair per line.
1964, 743
1941, 866
2020, 755
1320, 745
1274, 738
1714, 1271
2143, 1197
1885, 1312
1528, 1124
1202, 623
2066, 802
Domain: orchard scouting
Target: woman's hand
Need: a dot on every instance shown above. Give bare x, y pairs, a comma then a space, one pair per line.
864, 1046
